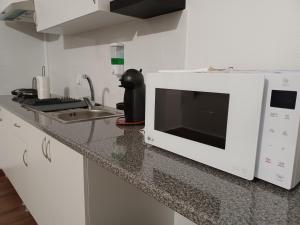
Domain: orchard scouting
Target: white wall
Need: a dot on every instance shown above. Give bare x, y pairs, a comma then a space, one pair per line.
246, 34
152, 45
21, 55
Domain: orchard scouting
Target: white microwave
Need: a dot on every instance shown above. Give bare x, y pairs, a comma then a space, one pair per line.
242, 122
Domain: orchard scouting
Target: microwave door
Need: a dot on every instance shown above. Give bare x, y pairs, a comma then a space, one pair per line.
197, 116
212, 119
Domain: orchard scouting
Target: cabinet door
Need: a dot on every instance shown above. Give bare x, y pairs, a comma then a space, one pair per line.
5, 3
33, 183
17, 166
3, 140
67, 184
58, 196
12, 146
16, 156
51, 186
6, 159
55, 12
40, 179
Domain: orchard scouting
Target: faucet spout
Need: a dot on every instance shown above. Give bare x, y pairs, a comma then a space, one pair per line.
86, 77
89, 103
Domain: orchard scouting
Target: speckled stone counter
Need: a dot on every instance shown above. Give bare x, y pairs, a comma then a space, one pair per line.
200, 193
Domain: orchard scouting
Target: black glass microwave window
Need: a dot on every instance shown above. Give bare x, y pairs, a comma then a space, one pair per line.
284, 99
197, 116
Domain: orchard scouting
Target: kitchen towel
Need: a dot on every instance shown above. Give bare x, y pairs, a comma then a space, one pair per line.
43, 87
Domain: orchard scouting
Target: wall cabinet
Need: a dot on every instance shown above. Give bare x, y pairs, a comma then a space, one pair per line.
5, 3
69, 16
47, 175
54, 12
146, 9
17, 10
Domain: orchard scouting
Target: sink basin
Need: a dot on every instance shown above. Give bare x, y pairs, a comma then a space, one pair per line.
80, 115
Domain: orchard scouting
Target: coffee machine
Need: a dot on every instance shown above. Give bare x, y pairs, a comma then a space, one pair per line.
134, 98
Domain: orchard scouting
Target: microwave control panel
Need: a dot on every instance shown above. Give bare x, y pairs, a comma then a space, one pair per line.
277, 151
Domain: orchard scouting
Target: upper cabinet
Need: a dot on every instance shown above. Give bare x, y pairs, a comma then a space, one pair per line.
69, 16
146, 8
77, 16
17, 10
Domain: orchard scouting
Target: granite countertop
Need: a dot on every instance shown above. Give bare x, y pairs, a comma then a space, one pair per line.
200, 193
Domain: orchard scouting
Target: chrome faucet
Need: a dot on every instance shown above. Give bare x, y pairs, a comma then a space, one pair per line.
90, 102
90, 105
86, 77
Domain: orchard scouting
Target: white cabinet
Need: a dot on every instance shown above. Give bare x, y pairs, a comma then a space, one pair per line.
3, 143
50, 13
5, 3
67, 178
4, 153
69, 16
47, 175
15, 157
59, 187
18, 168
58, 182
12, 149
38, 205
17, 10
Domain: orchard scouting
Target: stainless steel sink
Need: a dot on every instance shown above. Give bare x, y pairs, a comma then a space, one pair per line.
79, 115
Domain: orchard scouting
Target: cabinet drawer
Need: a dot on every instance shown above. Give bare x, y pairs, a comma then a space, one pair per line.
5, 120
19, 127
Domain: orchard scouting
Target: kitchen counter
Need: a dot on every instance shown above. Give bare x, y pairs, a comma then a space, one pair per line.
202, 194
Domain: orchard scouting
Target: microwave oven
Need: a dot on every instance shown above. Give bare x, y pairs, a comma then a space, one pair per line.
242, 122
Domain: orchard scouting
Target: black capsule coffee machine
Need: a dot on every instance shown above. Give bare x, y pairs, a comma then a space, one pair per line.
134, 98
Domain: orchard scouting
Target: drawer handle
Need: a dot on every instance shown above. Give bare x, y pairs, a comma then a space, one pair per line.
43, 148
48, 151
24, 161
17, 125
